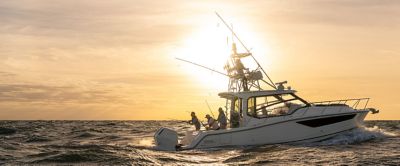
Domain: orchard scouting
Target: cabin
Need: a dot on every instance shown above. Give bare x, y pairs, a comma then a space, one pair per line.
258, 105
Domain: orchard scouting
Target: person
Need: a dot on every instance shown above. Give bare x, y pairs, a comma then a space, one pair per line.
235, 118
194, 121
212, 123
222, 119
240, 72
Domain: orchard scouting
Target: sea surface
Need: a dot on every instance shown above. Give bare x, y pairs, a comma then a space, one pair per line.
131, 143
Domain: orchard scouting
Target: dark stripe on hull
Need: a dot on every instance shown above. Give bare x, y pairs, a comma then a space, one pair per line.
326, 121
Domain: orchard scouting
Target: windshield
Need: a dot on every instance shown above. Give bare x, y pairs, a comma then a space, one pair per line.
277, 105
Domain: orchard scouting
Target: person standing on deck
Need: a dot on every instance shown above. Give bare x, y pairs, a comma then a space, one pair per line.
222, 119
212, 123
235, 118
194, 121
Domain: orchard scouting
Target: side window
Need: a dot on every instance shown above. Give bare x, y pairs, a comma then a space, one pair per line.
238, 106
250, 106
236, 113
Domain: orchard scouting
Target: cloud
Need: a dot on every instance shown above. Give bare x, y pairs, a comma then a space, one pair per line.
354, 13
89, 18
6, 74
54, 94
76, 37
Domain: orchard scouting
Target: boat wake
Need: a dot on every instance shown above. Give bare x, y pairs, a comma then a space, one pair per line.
357, 135
147, 142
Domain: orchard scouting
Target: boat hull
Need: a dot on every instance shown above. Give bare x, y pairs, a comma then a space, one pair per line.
308, 129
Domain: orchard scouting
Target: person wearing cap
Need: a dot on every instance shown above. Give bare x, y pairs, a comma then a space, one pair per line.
222, 119
194, 121
212, 123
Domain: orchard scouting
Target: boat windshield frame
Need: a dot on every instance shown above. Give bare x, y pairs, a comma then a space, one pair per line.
254, 111
245, 96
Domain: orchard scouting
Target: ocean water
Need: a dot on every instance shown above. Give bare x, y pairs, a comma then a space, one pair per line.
131, 143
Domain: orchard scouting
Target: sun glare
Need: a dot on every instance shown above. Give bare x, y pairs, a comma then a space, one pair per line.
211, 47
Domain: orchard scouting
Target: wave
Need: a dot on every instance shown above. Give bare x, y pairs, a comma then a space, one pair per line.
76, 157
35, 138
358, 135
7, 131
127, 143
85, 135
111, 138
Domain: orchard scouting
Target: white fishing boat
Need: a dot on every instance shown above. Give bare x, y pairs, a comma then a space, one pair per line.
267, 116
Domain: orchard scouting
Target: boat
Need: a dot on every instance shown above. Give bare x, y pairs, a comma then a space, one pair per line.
260, 116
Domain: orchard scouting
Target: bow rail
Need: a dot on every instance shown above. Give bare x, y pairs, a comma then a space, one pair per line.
360, 103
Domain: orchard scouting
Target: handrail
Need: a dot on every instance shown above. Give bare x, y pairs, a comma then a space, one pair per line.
341, 102
355, 102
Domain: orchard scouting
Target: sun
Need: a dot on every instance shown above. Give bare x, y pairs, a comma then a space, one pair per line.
207, 47
210, 46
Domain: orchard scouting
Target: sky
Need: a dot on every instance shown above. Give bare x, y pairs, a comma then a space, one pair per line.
115, 60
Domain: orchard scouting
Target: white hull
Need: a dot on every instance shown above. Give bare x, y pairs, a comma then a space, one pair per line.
285, 129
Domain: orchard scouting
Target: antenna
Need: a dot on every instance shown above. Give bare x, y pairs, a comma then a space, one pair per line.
233, 32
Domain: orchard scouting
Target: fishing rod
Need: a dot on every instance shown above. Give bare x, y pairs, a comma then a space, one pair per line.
180, 121
209, 108
203, 124
202, 66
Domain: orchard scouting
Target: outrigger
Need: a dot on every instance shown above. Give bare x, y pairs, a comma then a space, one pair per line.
263, 116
